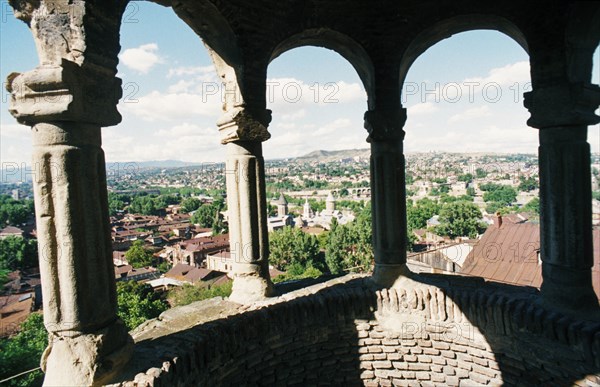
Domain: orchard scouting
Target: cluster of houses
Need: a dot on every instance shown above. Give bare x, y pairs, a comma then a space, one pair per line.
174, 240
22, 293
507, 252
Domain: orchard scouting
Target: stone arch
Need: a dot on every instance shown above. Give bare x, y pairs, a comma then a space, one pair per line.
342, 44
448, 27
217, 35
582, 39
211, 26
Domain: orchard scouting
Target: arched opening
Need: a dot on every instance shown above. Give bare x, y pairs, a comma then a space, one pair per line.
165, 162
472, 175
594, 141
319, 160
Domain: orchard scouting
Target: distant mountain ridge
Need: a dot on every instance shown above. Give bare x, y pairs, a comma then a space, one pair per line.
325, 155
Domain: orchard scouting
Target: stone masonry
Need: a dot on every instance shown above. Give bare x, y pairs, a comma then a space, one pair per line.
74, 91
347, 332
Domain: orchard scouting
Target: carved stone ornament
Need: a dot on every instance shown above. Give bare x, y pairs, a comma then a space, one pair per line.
385, 125
23, 9
64, 93
239, 124
564, 104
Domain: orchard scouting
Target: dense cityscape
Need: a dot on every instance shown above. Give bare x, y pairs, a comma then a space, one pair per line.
170, 233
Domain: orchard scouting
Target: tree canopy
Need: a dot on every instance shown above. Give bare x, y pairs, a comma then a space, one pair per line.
350, 245
418, 213
292, 248
137, 303
503, 194
15, 212
138, 256
22, 352
17, 253
460, 219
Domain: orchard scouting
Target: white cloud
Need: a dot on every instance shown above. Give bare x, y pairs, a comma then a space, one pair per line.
182, 86
505, 76
186, 129
333, 127
294, 115
191, 71
470, 114
186, 142
142, 58
14, 131
422, 109
490, 139
158, 106
286, 94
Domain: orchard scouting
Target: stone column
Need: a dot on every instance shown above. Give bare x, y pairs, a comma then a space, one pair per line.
88, 344
562, 113
243, 134
388, 194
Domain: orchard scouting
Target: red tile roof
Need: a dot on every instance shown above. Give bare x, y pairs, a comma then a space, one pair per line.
510, 255
507, 254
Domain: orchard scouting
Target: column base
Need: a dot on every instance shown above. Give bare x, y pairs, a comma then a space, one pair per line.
569, 291
249, 288
393, 276
86, 359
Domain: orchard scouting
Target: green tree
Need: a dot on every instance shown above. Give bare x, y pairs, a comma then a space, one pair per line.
291, 246
532, 206
205, 216
471, 191
3, 277
23, 351
191, 293
418, 213
467, 177
137, 303
15, 212
115, 205
460, 219
334, 254
528, 184
493, 207
138, 256
480, 173
17, 253
190, 204
350, 245
502, 194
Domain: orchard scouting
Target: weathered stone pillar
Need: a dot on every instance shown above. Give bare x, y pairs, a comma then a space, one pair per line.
562, 113
243, 134
88, 344
388, 194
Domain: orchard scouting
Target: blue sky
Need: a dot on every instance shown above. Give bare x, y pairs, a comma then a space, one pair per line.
463, 94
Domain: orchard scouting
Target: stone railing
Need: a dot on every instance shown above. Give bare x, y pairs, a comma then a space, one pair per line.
439, 330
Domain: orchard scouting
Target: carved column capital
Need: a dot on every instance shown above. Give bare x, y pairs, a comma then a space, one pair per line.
563, 104
24, 9
239, 124
384, 125
66, 92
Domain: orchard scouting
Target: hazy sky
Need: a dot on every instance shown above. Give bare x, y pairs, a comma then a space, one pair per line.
463, 94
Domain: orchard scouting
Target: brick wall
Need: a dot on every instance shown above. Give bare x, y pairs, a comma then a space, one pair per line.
344, 332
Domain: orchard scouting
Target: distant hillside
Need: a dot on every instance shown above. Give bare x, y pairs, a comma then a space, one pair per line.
326, 156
